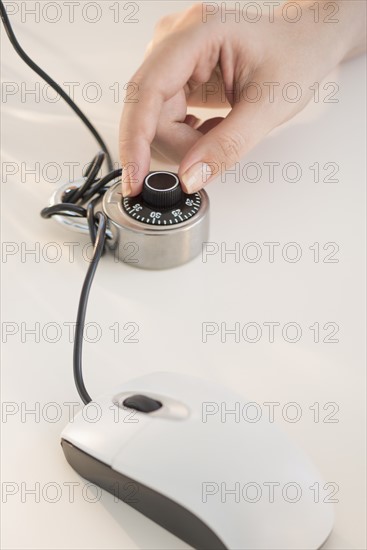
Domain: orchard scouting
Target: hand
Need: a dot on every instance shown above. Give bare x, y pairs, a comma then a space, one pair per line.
248, 65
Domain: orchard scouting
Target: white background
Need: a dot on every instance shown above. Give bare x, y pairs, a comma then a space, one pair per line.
171, 306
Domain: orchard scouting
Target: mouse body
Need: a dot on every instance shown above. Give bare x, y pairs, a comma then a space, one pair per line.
192, 463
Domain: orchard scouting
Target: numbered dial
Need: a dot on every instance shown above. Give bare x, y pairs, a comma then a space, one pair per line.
162, 201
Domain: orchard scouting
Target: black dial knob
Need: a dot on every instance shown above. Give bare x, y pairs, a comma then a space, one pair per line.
162, 189
162, 201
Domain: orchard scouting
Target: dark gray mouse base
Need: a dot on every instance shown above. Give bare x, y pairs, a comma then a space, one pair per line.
162, 510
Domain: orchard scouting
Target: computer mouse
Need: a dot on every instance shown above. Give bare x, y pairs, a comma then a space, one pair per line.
181, 451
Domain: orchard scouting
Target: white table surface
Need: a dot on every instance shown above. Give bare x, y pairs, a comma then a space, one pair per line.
170, 306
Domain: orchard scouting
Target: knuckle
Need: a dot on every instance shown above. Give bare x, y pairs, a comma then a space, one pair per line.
140, 83
149, 47
195, 11
231, 147
163, 23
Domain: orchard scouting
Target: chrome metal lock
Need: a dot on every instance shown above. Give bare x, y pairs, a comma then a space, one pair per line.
163, 226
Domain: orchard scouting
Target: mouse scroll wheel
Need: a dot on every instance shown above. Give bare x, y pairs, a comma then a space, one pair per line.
142, 403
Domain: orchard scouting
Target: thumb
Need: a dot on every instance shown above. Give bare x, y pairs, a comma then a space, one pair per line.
224, 145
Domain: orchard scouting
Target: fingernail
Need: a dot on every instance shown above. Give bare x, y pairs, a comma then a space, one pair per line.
196, 176
126, 187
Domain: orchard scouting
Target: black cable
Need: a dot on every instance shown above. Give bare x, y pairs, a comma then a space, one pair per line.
51, 82
89, 194
92, 220
90, 175
97, 224
82, 308
99, 186
67, 209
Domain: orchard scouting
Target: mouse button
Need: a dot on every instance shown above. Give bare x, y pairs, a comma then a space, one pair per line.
181, 388
142, 403
159, 405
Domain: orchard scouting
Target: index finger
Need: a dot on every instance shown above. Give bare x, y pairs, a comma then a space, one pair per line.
162, 74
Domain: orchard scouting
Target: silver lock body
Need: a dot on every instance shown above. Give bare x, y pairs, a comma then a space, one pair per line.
154, 247
138, 244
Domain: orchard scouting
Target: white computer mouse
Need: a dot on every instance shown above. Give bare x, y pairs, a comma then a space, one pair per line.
168, 445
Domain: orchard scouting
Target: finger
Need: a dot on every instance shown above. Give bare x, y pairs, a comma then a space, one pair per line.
175, 133
163, 73
157, 80
148, 49
225, 144
176, 138
210, 94
161, 29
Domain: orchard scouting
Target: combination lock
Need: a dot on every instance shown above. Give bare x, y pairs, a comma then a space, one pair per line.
162, 201
162, 227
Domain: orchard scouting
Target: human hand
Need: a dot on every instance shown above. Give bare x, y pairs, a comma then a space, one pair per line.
248, 64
